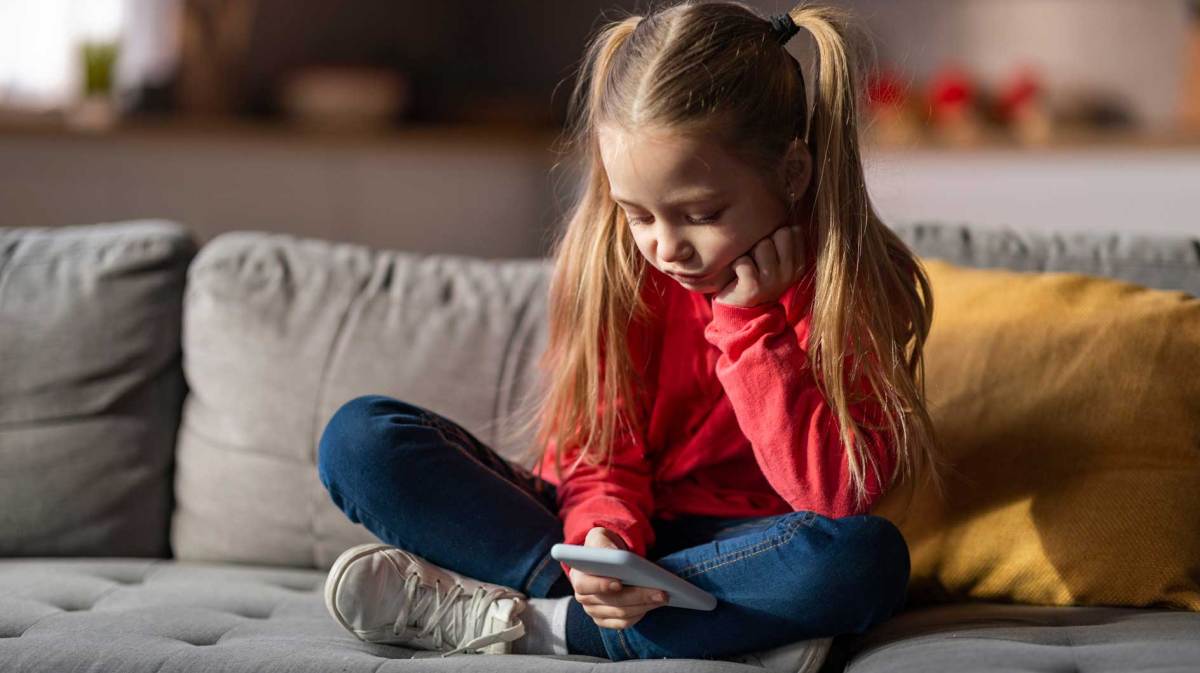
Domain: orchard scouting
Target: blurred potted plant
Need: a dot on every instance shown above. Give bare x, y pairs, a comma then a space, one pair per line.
96, 110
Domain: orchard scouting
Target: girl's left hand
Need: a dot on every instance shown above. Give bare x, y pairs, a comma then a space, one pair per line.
763, 274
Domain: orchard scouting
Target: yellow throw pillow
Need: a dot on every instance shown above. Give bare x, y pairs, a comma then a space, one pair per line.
1069, 409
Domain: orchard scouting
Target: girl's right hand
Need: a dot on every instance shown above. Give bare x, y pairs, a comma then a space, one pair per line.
767, 271
611, 608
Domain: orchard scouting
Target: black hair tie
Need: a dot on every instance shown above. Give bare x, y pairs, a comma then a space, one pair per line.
783, 27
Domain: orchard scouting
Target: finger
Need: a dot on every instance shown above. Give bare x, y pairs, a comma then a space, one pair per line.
800, 252
785, 246
631, 596
766, 258
747, 274
617, 612
594, 584
618, 624
651, 596
728, 288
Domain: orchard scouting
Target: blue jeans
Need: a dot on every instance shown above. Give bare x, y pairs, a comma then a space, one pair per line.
420, 482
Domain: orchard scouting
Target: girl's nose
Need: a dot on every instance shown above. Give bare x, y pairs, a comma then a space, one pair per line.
674, 253
673, 250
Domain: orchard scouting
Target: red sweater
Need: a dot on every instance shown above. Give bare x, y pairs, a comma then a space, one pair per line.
737, 426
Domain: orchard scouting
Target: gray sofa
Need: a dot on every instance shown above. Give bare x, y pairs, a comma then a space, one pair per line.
159, 411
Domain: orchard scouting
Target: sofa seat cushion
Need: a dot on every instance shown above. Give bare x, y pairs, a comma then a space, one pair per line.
59, 614
1012, 637
163, 615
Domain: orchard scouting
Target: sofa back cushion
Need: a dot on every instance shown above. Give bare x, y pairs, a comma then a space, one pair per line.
90, 387
1162, 260
279, 332
1068, 409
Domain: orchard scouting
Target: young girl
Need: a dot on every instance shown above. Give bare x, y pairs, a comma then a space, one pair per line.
725, 288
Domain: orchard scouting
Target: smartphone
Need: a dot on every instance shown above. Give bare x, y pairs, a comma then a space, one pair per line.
636, 571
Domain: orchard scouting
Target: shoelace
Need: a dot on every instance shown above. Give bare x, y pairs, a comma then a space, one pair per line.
461, 614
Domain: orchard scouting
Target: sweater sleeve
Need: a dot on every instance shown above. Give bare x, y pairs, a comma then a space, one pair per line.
619, 497
769, 381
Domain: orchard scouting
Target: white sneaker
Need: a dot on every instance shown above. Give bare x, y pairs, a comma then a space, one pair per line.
802, 656
383, 594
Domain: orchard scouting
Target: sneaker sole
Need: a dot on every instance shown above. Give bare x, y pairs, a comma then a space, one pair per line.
816, 657
338, 570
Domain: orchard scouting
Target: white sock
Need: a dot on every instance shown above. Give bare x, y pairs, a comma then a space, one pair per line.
545, 622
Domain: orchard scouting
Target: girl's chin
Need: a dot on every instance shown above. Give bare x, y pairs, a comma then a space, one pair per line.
705, 286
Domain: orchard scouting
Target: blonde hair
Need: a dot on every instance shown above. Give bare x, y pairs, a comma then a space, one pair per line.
715, 68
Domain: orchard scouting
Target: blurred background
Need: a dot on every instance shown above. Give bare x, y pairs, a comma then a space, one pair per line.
428, 126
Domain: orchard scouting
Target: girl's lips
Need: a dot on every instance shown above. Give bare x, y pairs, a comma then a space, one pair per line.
692, 277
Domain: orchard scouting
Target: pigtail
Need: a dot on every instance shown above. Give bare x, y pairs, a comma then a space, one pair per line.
593, 297
866, 311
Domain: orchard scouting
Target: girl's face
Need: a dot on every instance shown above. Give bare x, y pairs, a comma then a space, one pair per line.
691, 207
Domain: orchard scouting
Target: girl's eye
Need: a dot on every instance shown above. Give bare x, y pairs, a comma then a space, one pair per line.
708, 219
699, 220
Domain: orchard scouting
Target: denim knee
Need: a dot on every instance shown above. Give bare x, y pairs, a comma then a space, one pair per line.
352, 438
883, 566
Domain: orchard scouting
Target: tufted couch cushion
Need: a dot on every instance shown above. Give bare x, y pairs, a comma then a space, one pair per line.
1037, 639
163, 616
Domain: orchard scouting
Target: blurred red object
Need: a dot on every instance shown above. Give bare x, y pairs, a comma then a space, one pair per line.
885, 89
950, 91
954, 107
1021, 105
1021, 90
895, 116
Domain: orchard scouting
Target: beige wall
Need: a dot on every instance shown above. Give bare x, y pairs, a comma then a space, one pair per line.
472, 196
499, 198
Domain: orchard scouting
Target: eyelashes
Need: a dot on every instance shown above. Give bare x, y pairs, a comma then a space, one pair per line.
708, 219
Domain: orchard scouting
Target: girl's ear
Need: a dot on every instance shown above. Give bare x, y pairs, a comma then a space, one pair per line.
798, 169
